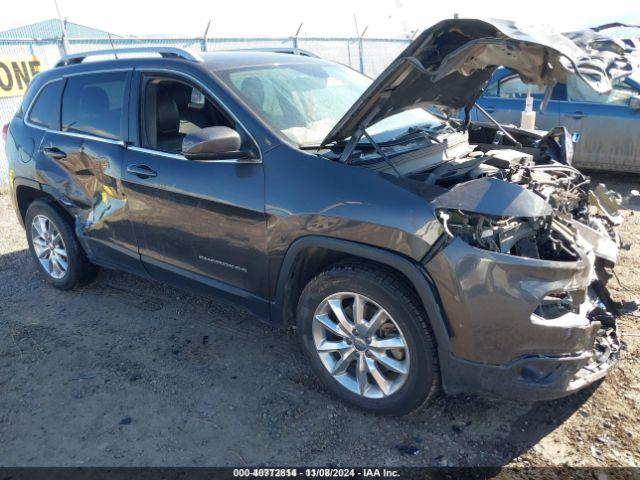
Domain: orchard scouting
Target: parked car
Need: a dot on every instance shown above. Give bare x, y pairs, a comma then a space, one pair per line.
604, 126
628, 34
410, 251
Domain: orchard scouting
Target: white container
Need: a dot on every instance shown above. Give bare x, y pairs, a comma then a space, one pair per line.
528, 117
528, 120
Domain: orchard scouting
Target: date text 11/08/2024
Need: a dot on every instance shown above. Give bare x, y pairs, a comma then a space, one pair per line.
316, 472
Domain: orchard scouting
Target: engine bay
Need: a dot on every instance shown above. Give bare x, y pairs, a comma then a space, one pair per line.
553, 237
578, 217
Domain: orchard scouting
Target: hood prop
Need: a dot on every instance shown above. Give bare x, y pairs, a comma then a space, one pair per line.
500, 127
345, 156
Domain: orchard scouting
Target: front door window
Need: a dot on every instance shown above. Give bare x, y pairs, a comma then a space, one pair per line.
172, 109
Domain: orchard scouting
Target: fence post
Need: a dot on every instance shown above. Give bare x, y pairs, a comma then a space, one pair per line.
63, 28
361, 48
295, 37
61, 46
203, 41
360, 42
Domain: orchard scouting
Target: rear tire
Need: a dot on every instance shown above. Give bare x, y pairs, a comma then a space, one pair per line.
383, 366
55, 248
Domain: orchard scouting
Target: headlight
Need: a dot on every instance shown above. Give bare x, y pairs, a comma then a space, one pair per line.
555, 305
497, 234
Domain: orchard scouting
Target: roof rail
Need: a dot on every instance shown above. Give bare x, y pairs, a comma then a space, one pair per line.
289, 50
165, 52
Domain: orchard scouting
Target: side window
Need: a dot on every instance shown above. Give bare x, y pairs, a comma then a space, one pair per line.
171, 109
513, 87
579, 91
492, 89
46, 107
94, 104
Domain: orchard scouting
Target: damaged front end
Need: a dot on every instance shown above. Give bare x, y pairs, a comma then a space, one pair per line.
527, 244
522, 277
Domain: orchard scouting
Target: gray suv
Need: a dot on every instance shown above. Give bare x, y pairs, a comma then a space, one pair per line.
411, 250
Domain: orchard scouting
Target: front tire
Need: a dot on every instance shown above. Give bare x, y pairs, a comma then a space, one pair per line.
54, 247
368, 339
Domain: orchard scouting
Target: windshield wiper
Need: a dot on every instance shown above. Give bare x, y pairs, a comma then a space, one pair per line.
380, 152
415, 130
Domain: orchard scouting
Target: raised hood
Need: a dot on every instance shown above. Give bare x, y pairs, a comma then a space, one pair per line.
448, 65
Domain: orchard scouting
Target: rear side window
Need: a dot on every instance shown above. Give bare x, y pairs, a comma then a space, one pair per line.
513, 87
46, 107
579, 91
94, 104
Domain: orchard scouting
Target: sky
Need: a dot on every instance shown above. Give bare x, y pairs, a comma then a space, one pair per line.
253, 18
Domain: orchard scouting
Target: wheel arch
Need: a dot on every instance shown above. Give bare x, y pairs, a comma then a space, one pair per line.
309, 255
27, 191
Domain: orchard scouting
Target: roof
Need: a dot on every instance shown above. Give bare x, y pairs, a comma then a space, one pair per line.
52, 29
231, 59
212, 61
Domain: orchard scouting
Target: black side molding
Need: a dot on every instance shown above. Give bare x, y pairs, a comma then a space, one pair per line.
410, 269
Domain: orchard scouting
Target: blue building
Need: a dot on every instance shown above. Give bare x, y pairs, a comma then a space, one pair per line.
52, 28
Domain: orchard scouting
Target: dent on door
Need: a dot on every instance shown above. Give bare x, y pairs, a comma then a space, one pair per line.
84, 175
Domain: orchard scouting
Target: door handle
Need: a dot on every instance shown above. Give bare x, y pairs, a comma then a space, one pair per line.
575, 115
141, 171
490, 109
54, 153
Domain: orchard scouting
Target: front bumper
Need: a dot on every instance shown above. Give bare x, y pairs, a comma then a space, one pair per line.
535, 378
500, 342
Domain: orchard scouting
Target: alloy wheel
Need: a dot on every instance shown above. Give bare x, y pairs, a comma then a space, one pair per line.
360, 345
49, 247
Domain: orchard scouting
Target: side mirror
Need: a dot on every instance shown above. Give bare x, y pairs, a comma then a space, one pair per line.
215, 143
634, 103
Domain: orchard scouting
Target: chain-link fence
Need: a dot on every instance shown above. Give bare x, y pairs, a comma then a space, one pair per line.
368, 55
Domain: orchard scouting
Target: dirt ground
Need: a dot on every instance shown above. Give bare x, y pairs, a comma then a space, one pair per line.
129, 372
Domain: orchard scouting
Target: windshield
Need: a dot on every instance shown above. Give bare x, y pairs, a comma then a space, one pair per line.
305, 101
